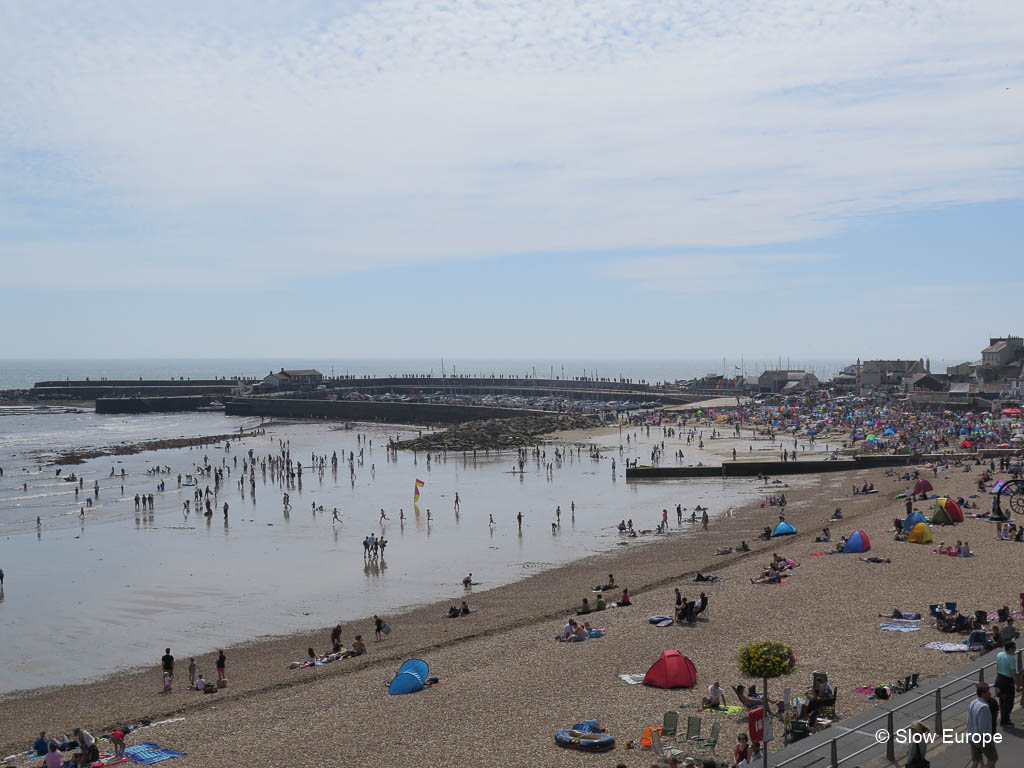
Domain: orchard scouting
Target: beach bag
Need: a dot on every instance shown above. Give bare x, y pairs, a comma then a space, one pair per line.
222, 683
386, 629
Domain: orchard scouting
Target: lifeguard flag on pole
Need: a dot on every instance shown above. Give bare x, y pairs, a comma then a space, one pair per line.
419, 483
416, 489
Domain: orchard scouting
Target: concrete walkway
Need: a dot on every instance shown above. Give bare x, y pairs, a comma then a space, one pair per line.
856, 743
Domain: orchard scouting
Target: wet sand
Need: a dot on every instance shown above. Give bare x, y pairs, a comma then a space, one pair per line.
506, 685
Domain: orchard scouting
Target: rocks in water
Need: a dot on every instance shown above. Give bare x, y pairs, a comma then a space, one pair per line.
499, 433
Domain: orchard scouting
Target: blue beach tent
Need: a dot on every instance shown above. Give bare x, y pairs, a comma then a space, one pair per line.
783, 529
913, 519
858, 542
411, 677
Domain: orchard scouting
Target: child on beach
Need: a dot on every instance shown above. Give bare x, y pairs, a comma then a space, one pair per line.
192, 672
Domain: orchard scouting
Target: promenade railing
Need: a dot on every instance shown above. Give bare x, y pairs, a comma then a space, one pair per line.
943, 702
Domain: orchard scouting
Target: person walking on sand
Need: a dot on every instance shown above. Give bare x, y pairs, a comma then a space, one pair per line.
378, 627
704, 519
222, 663
168, 663
192, 672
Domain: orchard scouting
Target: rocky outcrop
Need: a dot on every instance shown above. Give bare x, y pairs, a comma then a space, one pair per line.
499, 433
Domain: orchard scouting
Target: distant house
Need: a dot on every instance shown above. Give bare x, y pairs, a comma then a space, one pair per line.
929, 382
776, 381
1003, 351
294, 379
892, 374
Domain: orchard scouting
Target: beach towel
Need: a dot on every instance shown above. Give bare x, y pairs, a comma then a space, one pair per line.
946, 647
633, 679
149, 753
732, 709
864, 689
781, 581
817, 554
900, 628
108, 758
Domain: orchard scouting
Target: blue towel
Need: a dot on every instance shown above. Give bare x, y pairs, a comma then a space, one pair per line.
149, 753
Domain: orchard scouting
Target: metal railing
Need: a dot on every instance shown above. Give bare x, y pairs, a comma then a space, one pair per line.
890, 745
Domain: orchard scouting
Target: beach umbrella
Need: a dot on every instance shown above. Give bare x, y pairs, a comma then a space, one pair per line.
1012, 411
922, 486
965, 444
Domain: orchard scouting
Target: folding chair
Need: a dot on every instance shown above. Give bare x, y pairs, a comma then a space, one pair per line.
951, 607
933, 610
662, 751
670, 724
707, 746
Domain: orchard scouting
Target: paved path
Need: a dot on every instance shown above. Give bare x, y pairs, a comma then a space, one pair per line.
857, 746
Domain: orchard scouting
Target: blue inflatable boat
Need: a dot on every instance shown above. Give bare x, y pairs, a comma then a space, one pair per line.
584, 736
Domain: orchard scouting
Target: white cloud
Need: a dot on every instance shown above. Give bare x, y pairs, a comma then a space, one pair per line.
359, 135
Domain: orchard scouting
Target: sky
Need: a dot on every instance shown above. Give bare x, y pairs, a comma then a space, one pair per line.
525, 178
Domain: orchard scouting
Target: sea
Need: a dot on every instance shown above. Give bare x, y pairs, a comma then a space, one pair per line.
92, 564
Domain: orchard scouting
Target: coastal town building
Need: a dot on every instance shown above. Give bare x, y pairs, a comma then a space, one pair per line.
776, 381
294, 379
892, 375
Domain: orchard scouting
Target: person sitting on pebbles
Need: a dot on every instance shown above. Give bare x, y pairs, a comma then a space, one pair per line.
715, 698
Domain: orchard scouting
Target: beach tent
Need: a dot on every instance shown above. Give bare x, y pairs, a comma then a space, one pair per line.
858, 542
783, 529
411, 677
671, 670
948, 512
922, 486
921, 534
913, 519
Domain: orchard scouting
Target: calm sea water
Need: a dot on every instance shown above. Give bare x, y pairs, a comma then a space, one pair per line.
22, 374
143, 580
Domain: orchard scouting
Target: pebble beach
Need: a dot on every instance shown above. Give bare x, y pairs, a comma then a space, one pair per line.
506, 685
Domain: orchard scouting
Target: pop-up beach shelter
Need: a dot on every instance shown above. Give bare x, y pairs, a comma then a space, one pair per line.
671, 670
783, 529
948, 512
858, 542
913, 519
922, 486
410, 678
920, 534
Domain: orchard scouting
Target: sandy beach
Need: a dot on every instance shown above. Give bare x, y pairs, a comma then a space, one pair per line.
506, 682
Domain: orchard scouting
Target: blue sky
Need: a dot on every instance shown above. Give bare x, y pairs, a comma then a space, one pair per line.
535, 179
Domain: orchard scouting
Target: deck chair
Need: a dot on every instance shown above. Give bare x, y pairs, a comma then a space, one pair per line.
707, 746
692, 729
914, 678
933, 610
981, 618
670, 724
951, 607
659, 749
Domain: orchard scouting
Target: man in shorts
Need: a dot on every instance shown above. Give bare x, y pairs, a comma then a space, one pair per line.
979, 724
